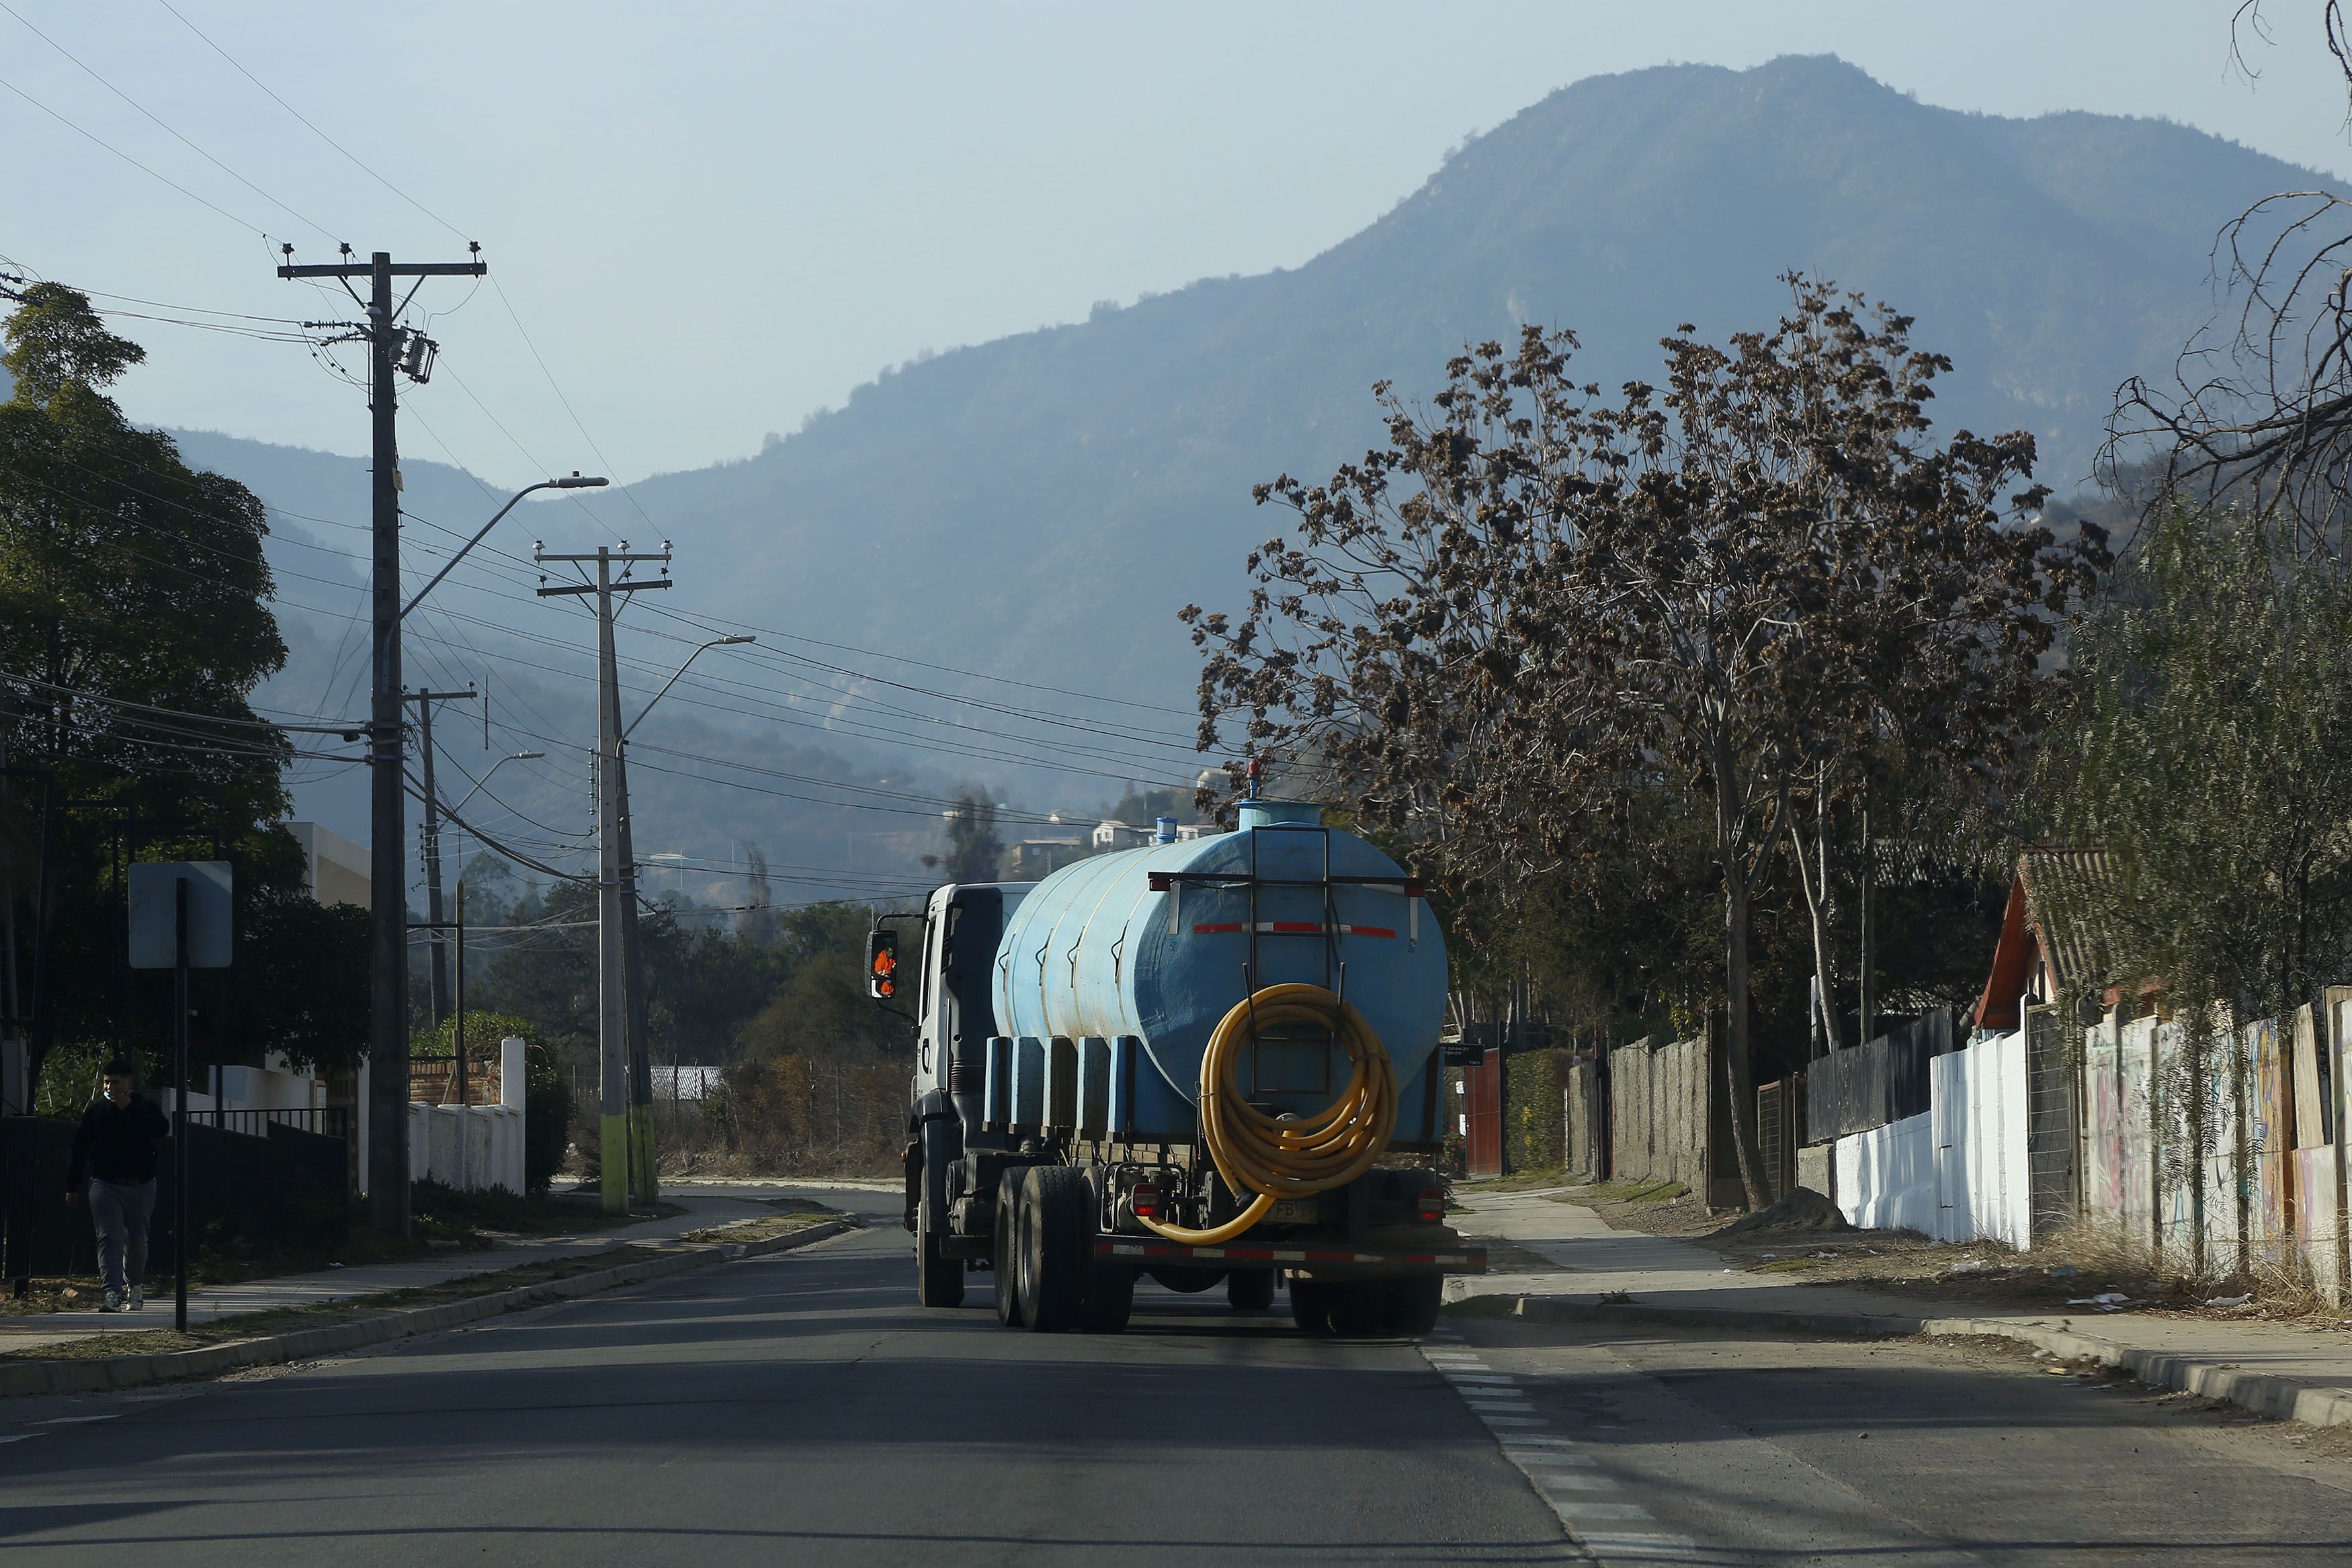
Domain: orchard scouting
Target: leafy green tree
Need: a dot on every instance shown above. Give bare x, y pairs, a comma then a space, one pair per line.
2208, 747
134, 625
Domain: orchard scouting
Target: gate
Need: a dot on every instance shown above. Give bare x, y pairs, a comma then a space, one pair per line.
1482, 1093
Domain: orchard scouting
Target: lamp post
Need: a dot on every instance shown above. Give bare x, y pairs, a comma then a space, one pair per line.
642, 1153
386, 1113
502, 762
714, 643
572, 481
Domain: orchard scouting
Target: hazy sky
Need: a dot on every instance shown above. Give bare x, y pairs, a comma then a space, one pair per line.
715, 218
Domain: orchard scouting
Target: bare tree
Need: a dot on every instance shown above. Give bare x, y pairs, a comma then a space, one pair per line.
2258, 410
1534, 606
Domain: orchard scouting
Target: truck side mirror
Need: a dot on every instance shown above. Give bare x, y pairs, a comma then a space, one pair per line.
882, 965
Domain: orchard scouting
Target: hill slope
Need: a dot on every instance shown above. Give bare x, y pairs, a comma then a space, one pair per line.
1045, 503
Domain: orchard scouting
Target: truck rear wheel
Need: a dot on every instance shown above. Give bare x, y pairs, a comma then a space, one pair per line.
1358, 1309
1006, 1260
1250, 1290
939, 1280
1188, 1282
1110, 1299
1054, 1227
1413, 1304
1310, 1305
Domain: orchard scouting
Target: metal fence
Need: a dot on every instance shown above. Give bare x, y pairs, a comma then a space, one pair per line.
326, 1120
284, 1184
1850, 1091
2053, 1100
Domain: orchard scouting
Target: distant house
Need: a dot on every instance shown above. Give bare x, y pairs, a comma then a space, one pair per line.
2049, 950
1036, 858
1110, 835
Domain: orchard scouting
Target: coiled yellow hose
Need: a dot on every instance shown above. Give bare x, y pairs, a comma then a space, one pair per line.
1272, 1158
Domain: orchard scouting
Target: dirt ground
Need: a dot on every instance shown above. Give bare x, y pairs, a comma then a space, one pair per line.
2071, 1275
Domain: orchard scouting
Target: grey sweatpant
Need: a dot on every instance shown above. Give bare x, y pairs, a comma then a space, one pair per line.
121, 1214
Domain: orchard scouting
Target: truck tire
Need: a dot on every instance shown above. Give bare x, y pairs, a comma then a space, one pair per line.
1310, 1305
1413, 1305
1189, 1281
1003, 1258
1110, 1299
1055, 1226
1250, 1290
938, 1281
1358, 1309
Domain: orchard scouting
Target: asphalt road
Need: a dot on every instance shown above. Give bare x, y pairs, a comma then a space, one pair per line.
801, 1409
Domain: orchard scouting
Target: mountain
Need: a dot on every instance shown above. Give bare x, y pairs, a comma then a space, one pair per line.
1041, 506
1044, 504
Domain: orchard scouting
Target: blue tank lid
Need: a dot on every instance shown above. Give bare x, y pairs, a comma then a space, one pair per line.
1276, 813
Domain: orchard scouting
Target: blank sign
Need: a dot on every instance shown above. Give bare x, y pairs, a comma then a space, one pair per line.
154, 914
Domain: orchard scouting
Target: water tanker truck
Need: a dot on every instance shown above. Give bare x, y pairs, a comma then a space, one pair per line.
1209, 1061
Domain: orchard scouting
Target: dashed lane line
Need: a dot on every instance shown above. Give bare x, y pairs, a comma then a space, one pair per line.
1588, 1502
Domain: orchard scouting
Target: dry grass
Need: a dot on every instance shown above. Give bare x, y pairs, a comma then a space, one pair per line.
793, 1214
324, 1314
1518, 1181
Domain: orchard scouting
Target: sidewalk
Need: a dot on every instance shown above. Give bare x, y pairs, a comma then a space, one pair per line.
2277, 1369
703, 1204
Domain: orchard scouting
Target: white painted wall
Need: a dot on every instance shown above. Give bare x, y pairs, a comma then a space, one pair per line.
493, 1147
1977, 1104
1887, 1177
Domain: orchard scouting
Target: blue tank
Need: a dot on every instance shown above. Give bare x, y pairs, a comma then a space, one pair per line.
1145, 950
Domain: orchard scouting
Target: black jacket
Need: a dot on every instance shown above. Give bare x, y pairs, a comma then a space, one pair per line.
118, 1144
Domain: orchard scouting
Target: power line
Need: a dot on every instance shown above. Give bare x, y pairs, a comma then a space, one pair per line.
134, 163
143, 108
321, 135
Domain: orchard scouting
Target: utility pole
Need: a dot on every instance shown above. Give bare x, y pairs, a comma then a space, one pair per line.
387, 1106
616, 878
641, 1073
440, 986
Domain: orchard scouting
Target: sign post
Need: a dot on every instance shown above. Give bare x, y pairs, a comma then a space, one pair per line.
180, 915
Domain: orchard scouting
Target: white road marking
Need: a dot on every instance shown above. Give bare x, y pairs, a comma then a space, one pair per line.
1575, 1511
1612, 1544
19, 1437
1568, 1479
77, 1420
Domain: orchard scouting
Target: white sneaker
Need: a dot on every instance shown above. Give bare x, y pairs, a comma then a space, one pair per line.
113, 1302
138, 1298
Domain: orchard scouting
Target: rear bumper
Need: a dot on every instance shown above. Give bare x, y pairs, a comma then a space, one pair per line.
1146, 1252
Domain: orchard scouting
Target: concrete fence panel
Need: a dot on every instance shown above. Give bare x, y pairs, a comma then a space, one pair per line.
1887, 1177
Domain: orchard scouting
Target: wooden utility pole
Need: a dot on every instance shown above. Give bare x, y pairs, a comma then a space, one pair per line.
387, 1106
439, 988
616, 877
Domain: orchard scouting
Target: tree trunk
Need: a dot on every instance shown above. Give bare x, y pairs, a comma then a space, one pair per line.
1739, 1075
1817, 906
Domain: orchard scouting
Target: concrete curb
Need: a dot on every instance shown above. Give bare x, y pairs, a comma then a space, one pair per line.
2288, 1399
98, 1375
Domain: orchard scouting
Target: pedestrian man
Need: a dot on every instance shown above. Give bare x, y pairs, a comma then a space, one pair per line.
115, 1150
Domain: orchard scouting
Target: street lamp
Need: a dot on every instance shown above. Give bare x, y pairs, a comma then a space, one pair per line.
714, 643
502, 762
572, 481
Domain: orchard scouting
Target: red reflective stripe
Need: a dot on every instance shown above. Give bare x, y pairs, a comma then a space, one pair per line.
1222, 925
1310, 926
1368, 931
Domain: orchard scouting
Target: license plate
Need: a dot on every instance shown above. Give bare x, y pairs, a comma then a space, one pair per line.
1295, 1211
